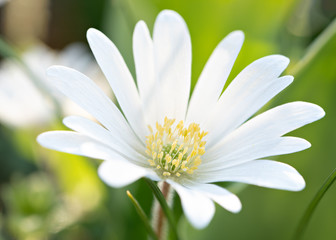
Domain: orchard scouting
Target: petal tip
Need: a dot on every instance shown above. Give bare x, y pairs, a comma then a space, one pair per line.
276, 60
140, 23
305, 144
57, 70
288, 78
42, 139
321, 112
317, 111
52, 70
281, 59
301, 184
169, 13
140, 30
67, 120
169, 16
237, 209
297, 182
94, 35
239, 34
91, 31
234, 204
238, 206
39, 138
199, 224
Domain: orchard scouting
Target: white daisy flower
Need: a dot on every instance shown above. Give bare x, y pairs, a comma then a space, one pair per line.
23, 104
163, 135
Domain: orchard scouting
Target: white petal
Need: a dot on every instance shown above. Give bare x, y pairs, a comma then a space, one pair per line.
172, 58
79, 144
144, 65
99, 133
120, 79
223, 197
243, 150
75, 143
87, 95
198, 208
121, 173
264, 173
247, 93
274, 123
213, 77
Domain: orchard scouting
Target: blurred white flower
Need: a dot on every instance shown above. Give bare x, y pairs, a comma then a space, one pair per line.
22, 102
163, 135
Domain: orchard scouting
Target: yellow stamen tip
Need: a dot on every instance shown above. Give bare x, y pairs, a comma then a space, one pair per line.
175, 149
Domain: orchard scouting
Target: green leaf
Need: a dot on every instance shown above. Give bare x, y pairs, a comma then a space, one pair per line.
313, 204
143, 216
315, 81
314, 50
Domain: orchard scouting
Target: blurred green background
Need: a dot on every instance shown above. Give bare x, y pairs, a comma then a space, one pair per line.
50, 195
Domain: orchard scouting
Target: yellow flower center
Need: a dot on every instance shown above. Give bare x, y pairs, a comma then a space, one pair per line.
175, 150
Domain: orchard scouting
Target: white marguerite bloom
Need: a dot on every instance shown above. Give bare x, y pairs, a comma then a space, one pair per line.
165, 136
23, 104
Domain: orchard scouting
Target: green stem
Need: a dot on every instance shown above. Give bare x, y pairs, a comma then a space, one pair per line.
169, 214
143, 216
311, 207
159, 220
314, 48
127, 11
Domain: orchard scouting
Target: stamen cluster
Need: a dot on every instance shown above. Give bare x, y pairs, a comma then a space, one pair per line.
175, 149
